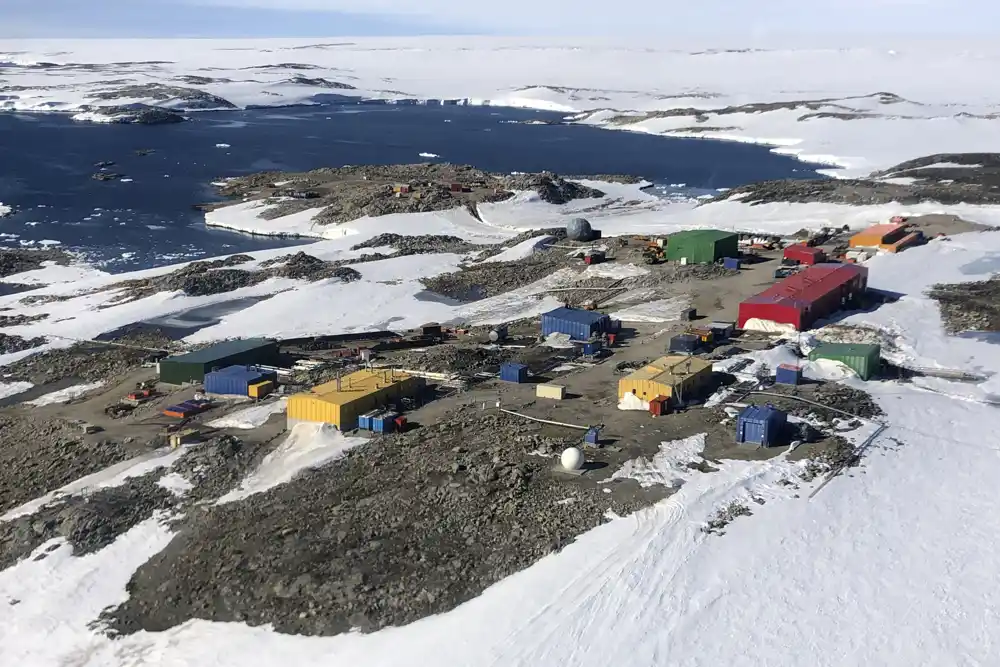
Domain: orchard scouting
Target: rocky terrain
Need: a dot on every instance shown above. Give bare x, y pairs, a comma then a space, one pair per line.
40, 455
12, 343
177, 97
19, 260
971, 306
137, 114
346, 193
978, 182
400, 529
218, 276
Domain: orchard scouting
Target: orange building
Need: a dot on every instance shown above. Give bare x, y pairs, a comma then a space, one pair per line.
891, 237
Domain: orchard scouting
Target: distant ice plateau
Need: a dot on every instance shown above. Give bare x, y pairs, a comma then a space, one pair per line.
861, 109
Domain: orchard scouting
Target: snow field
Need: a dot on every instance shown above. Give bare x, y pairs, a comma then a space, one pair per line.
64, 395
252, 417
308, 445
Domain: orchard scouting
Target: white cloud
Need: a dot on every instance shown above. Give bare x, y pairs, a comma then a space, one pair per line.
672, 17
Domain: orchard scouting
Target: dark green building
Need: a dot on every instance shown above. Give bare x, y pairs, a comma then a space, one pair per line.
863, 359
702, 246
192, 366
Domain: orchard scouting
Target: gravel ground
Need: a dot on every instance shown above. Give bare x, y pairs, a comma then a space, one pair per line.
16, 320
406, 526
12, 343
480, 281
969, 306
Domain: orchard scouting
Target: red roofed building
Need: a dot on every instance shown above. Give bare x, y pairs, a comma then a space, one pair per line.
804, 254
807, 296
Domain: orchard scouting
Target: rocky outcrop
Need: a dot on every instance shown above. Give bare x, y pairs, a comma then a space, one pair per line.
178, 97
134, 114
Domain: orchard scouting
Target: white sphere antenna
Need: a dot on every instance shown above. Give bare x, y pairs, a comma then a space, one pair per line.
571, 459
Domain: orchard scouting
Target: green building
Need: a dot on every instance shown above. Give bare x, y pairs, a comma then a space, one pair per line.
862, 359
192, 366
702, 246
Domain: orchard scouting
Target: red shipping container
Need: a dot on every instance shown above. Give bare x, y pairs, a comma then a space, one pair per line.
659, 406
804, 254
807, 296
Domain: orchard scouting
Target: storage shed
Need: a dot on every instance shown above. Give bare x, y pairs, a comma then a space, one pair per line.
760, 425
801, 299
192, 366
517, 373
340, 402
788, 374
676, 377
804, 254
237, 380
684, 343
863, 359
578, 324
702, 246
877, 235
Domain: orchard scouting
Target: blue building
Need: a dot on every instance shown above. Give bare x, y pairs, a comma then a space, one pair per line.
578, 324
760, 425
514, 373
236, 380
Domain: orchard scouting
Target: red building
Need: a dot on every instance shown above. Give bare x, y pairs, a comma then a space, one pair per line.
807, 296
804, 254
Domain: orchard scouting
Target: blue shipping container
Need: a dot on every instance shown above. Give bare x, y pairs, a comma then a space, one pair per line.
592, 347
685, 343
787, 374
577, 324
384, 422
365, 420
760, 425
593, 436
236, 380
731, 263
514, 373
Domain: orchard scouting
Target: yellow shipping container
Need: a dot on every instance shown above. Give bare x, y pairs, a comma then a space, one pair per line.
260, 389
677, 377
556, 391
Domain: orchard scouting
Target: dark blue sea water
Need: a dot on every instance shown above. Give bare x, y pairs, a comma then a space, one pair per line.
46, 163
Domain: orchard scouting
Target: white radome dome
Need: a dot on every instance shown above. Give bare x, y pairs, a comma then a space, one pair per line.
572, 459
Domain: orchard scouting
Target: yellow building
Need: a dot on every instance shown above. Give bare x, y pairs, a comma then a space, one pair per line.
340, 402
678, 377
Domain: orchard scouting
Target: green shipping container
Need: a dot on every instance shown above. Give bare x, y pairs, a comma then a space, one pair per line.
702, 246
862, 359
191, 367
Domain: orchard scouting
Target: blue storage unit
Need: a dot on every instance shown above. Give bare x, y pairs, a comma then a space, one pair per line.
592, 347
731, 263
384, 422
514, 373
760, 425
365, 420
577, 324
236, 380
684, 343
593, 436
788, 374
722, 330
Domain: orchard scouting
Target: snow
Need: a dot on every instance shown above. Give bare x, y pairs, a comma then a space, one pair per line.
223, 146
115, 475
521, 250
8, 389
659, 310
93, 117
668, 466
175, 483
64, 395
250, 417
308, 445
5, 210
429, 155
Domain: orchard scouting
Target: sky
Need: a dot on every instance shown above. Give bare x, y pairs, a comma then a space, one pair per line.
329, 18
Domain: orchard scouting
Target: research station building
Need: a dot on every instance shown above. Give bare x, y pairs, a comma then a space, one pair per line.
805, 297
192, 366
340, 402
676, 377
702, 246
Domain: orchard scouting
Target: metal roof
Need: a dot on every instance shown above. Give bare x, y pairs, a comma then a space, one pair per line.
576, 315
702, 235
805, 287
357, 384
220, 351
671, 369
760, 413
